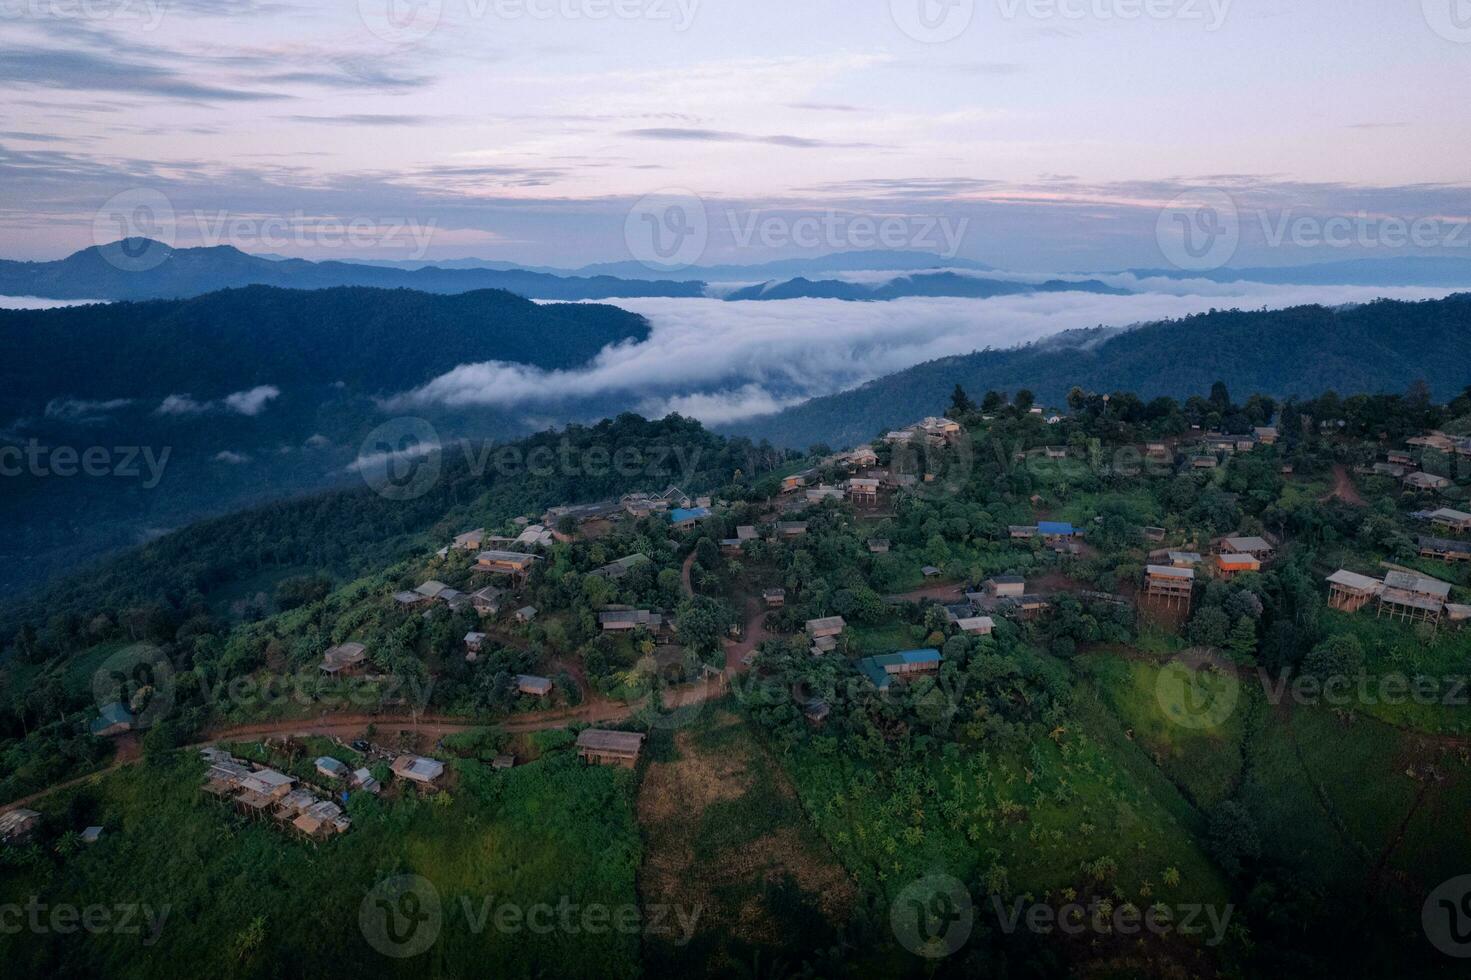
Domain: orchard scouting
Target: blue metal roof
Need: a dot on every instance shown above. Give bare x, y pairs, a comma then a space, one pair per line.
681, 514
1055, 527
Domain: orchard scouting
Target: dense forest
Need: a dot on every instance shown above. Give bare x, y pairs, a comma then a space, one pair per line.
1304, 351
374, 340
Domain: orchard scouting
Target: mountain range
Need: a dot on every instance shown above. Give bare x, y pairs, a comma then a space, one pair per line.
145, 269
948, 284
1375, 347
242, 396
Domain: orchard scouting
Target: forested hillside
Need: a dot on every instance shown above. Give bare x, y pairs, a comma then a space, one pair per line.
1305, 350
374, 340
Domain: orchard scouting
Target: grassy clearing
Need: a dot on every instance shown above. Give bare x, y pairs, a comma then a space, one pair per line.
536, 834
1205, 762
1076, 812
727, 836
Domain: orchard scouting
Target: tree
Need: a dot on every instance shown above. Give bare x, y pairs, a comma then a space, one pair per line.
1233, 837
1242, 641
1025, 400
960, 403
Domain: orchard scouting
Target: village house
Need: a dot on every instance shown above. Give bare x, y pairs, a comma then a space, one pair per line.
863, 457
321, 820
793, 483
685, 518
1055, 452
363, 779
506, 563
1054, 532
826, 626
1425, 481
863, 491
824, 634
822, 492
503, 762
604, 510
535, 536
331, 768
1027, 607
613, 571
91, 835
1153, 534
931, 571
470, 540
344, 658
1400, 458
976, 625
530, 684
1230, 565
1350, 591
601, 747
730, 547
417, 769
1022, 532
1455, 521
1267, 435
878, 546
1438, 441
1171, 583
623, 620
1184, 559
487, 601
525, 614
882, 669
791, 529
473, 643
774, 598
1407, 595
115, 719
1204, 463
816, 711
1445, 549
17, 826
1259, 548
1005, 587
746, 532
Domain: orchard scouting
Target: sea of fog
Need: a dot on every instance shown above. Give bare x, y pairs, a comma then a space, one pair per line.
721, 362
36, 303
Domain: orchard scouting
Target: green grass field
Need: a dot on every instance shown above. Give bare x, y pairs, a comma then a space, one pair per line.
552, 832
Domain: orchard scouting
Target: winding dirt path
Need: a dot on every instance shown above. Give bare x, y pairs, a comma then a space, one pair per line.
1344, 489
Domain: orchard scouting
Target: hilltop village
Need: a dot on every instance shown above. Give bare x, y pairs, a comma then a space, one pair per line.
986, 609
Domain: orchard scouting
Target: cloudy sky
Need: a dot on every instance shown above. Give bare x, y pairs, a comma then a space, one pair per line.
1047, 134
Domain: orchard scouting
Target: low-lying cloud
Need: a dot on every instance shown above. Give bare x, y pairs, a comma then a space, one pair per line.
250, 402
721, 362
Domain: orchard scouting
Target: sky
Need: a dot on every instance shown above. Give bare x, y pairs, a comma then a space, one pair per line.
1028, 134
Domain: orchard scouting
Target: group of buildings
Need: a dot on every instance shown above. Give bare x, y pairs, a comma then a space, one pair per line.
263, 793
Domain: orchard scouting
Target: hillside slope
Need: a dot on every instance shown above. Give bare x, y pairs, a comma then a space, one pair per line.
370, 339
1306, 350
